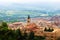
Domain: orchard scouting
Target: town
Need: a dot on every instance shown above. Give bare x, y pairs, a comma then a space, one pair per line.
29, 19
39, 27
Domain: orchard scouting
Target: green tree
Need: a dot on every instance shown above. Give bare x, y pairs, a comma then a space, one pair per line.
4, 24
49, 30
39, 38
31, 35
19, 36
45, 29
25, 36
52, 29
6, 34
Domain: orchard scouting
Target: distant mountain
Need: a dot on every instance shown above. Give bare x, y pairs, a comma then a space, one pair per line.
56, 20
21, 15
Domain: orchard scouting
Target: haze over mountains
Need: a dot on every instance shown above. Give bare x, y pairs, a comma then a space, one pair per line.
12, 10
22, 14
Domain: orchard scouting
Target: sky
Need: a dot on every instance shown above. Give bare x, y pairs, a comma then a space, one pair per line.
30, 4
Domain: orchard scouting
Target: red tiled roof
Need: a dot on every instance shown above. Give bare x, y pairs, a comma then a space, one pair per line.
32, 26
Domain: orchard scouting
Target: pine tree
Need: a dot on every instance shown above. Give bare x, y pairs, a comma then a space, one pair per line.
52, 29
45, 29
49, 30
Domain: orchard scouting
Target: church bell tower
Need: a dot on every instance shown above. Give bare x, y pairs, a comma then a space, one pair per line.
28, 19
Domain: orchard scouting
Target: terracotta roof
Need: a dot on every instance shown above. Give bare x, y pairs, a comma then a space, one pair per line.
17, 23
31, 25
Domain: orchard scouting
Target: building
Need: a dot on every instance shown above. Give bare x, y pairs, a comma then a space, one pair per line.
15, 26
37, 28
30, 26
50, 35
28, 20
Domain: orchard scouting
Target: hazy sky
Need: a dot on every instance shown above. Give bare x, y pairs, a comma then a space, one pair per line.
33, 4
29, 4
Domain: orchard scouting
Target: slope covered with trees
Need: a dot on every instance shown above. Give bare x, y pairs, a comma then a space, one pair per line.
6, 34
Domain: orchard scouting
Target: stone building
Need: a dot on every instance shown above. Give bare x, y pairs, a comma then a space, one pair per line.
50, 35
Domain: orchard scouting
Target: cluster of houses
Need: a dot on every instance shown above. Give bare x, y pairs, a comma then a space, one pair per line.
37, 27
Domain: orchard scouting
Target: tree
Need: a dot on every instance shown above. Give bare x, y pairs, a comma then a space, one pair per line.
31, 35
19, 35
39, 38
49, 29
4, 24
25, 36
10, 35
52, 29
45, 29
6, 34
